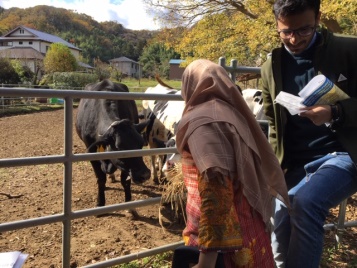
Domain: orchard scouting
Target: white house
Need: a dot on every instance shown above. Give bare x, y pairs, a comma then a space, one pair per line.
30, 46
126, 66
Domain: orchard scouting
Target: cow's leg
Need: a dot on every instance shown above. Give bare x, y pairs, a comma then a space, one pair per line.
162, 160
126, 182
109, 168
101, 181
154, 170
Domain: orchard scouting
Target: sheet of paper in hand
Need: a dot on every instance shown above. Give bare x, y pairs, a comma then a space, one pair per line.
290, 102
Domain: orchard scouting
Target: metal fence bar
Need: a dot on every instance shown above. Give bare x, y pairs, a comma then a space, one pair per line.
48, 93
55, 159
67, 185
135, 256
16, 225
234, 69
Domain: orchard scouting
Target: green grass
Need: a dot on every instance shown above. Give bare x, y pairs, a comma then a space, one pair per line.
141, 85
162, 260
17, 110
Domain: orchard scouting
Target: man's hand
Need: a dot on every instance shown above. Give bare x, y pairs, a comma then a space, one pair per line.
318, 114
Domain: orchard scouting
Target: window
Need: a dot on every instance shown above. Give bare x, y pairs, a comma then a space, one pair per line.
5, 44
20, 42
30, 42
22, 31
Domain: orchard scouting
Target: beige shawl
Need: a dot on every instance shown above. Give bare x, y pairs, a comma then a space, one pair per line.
212, 98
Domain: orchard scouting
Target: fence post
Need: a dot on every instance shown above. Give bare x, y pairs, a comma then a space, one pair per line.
232, 69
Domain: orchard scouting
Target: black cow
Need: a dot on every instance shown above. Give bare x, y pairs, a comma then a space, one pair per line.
112, 125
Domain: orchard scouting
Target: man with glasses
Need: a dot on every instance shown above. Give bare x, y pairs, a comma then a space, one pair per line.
319, 161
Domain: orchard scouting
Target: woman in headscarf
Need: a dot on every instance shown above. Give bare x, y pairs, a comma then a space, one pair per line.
229, 169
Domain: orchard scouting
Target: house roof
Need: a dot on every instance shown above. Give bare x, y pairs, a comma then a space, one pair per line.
42, 36
122, 59
85, 65
175, 61
30, 53
21, 53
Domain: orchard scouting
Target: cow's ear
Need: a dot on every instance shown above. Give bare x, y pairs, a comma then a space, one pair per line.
98, 146
141, 127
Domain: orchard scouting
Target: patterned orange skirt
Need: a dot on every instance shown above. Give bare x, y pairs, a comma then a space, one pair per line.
228, 225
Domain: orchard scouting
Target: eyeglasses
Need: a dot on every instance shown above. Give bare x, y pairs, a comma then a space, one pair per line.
302, 32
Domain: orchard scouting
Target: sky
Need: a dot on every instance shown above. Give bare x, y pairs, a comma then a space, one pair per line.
130, 13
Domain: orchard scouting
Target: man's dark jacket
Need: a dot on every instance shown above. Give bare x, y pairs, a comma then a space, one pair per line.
335, 57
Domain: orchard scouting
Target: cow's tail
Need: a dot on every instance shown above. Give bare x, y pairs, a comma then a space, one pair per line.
158, 79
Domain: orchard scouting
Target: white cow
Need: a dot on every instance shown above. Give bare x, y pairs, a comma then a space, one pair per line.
254, 99
164, 117
167, 114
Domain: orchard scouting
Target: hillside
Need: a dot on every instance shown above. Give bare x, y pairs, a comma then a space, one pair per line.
103, 40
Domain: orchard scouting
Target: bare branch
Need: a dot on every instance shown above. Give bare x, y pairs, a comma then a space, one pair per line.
187, 13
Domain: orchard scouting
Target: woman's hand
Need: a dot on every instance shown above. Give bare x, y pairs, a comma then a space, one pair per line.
318, 114
207, 260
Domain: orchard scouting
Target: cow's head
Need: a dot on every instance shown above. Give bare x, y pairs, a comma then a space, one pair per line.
123, 135
170, 159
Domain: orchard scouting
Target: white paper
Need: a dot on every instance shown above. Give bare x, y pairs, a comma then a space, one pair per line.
14, 259
290, 102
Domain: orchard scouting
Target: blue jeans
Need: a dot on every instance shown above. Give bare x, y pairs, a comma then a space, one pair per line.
297, 238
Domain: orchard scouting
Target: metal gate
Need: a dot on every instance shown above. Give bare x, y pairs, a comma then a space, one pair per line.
68, 158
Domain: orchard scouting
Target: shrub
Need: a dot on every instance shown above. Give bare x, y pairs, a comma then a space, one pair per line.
8, 74
73, 80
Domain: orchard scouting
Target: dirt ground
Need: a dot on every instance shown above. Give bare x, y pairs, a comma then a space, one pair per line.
38, 191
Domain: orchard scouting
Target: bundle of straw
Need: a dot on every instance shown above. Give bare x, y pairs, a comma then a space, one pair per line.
174, 192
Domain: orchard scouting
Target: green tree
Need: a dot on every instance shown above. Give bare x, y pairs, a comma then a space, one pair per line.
8, 74
59, 58
24, 72
155, 60
102, 69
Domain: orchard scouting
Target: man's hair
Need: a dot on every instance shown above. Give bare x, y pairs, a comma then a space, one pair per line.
283, 8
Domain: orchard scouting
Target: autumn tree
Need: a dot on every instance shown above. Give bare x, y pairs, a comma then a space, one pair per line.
59, 58
336, 14
340, 16
243, 30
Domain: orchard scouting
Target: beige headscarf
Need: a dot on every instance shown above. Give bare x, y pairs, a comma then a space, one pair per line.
211, 97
